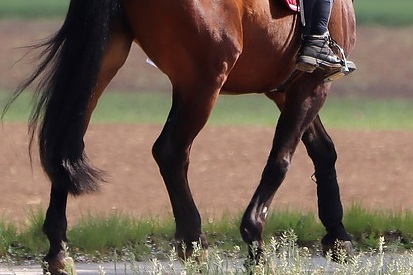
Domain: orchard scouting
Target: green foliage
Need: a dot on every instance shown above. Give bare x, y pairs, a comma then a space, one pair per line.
20, 109
305, 225
8, 231
383, 12
32, 237
98, 237
366, 226
26, 241
367, 113
114, 231
24, 9
101, 235
246, 110
369, 12
223, 232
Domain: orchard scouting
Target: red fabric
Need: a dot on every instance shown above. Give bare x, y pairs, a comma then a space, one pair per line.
292, 4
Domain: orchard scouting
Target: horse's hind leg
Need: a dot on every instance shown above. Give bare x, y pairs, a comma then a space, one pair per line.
187, 116
55, 224
116, 54
193, 99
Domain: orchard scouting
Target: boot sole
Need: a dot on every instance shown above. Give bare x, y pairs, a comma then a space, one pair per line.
309, 64
341, 72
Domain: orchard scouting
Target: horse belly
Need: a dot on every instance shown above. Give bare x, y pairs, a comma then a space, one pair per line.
270, 45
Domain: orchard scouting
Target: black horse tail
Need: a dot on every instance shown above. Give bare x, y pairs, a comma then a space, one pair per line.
67, 73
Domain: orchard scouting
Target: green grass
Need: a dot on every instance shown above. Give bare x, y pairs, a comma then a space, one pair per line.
369, 12
367, 226
383, 12
24, 9
368, 113
248, 110
98, 237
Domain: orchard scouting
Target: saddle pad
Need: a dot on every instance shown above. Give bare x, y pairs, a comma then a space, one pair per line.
293, 5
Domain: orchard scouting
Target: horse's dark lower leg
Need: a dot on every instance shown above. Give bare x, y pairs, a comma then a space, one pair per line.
302, 103
173, 164
253, 220
55, 226
171, 152
321, 149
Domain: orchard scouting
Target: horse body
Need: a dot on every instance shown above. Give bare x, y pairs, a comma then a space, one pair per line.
263, 37
205, 47
271, 41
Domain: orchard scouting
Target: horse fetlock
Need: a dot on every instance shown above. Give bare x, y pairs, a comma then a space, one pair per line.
251, 229
253, 237
338, 232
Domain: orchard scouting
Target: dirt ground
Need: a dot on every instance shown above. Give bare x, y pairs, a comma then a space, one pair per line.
374, 167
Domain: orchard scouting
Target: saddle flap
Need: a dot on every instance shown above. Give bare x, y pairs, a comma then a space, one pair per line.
292, 5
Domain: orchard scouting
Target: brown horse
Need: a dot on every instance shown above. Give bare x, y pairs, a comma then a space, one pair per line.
205, 47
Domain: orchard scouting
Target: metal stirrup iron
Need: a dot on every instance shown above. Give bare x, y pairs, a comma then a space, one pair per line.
333, 44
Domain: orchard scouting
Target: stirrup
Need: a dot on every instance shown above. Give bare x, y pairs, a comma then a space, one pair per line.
343, 71
348, 66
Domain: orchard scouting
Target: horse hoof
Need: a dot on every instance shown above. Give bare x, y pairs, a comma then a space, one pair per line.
70, 266
60, 266
197, 250
340, 251
199, 253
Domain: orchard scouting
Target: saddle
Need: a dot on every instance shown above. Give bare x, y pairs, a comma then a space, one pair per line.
292, 5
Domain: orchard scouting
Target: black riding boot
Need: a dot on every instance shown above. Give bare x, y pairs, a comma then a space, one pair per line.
315, 51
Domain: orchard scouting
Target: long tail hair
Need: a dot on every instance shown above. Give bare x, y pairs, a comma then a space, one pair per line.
67, 73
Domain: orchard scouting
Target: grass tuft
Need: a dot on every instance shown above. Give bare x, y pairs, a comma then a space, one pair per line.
98, 237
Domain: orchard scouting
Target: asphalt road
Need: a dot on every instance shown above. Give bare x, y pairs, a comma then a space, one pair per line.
89, 268
139, 268
404, 267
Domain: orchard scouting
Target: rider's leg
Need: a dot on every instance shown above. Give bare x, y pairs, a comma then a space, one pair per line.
315, 51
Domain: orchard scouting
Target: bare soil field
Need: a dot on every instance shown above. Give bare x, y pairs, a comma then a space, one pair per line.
374, 170
374, 167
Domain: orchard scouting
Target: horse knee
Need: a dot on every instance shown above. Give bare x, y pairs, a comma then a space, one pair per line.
283, 165
169, 157
277, 169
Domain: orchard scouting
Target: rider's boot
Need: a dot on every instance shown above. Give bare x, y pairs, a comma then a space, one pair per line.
315, 52
318, 49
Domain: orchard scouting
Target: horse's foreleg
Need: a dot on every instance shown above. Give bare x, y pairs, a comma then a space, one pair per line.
302, 103
321, 149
